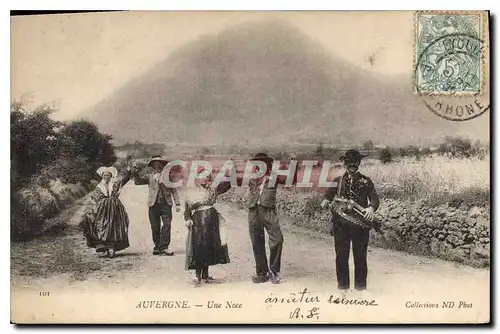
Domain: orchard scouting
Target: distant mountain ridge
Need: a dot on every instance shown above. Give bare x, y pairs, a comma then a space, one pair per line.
266, 83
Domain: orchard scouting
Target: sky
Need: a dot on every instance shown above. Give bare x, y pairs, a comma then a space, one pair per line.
79, 59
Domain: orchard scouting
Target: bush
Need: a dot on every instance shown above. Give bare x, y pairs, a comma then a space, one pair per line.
33, 140
368, 145
69, 171
82, 139
385, 156
52, 164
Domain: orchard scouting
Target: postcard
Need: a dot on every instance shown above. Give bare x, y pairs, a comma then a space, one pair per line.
250, 167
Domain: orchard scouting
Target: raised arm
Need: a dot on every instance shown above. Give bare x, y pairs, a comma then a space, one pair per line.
222, 188
126, 177
140, 180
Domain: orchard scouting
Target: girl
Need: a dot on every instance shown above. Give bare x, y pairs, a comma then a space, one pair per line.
106, 224
206, 243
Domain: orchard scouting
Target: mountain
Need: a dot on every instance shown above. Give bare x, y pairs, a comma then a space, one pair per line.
266, 83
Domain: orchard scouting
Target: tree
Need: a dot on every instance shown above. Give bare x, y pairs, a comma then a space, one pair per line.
82, 138
426, 151
402, 152
478, 149
368, 145
385, 156
413, 151
456, 146
330, 153
319, 148
33, 139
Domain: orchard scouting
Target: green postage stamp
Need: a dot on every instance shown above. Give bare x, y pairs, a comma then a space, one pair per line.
449, 52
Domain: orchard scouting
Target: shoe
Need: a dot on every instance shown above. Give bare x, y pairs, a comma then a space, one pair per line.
166, 253
102, 253
260, 278
275, 278
111, 253
208, 279
197, 281
156, 252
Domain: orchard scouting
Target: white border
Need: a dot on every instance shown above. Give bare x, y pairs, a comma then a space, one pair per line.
493, 6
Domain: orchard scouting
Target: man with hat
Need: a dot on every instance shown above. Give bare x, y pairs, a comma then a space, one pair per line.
352, 185
262, 216
160, 204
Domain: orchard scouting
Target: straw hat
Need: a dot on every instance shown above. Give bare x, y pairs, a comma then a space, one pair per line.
157, 158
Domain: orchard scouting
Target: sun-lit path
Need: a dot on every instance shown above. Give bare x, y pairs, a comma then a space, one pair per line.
308, 262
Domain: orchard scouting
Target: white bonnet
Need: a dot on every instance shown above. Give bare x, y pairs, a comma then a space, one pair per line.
111, 170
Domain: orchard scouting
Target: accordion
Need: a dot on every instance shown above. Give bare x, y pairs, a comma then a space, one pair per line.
352, 212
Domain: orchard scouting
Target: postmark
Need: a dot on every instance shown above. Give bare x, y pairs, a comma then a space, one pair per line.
451, 64
449, 53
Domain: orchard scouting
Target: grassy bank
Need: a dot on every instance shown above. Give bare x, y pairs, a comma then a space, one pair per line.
33, 205
60, 248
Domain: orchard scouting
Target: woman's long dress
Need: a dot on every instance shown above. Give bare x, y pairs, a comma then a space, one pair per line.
106, 224
206, 242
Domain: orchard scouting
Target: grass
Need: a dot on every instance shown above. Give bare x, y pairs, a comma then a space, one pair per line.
55, 251
50, 255
435, 180
35, 203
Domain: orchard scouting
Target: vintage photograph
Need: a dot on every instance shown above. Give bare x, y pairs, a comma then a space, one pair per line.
250, 167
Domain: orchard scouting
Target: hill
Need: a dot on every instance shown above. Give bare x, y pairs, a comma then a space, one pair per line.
267, 84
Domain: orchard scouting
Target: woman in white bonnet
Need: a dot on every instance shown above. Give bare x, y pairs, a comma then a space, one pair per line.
206, 244
106, 224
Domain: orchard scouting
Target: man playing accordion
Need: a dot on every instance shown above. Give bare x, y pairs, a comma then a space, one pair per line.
356, 194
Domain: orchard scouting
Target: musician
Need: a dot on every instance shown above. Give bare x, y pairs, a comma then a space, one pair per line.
352, 185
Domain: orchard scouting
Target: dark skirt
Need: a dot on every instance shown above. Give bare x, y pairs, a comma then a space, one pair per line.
203, 245
107, 227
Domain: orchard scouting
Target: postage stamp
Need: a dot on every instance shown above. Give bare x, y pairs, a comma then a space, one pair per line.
449, 53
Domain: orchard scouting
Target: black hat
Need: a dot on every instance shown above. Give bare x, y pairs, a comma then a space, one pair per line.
262, 157
157, 158
351, 155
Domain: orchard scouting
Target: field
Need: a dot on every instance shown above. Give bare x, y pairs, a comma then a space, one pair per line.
435, 180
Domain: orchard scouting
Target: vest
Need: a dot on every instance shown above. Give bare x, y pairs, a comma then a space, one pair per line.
266, 199
154, 189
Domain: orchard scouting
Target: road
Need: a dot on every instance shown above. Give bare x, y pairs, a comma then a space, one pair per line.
397, 282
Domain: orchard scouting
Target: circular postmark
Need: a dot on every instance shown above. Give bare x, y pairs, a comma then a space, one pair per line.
450, 64
448, 76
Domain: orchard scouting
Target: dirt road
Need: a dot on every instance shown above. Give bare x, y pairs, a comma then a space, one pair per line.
399, 283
